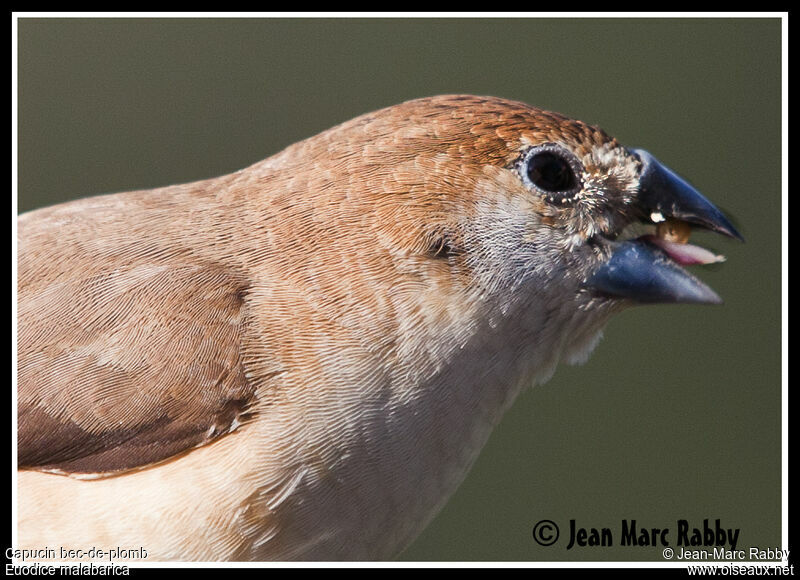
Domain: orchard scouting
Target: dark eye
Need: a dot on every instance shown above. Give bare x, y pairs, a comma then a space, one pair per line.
552, 171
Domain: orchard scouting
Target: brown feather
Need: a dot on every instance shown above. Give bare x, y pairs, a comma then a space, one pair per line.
129, 346
301, 359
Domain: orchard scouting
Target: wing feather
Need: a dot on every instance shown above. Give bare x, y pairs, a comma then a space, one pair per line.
128, 367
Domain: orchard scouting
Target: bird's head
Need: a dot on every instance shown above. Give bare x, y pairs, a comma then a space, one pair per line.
484, 199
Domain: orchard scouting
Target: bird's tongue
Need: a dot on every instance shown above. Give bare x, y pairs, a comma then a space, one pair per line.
684, 254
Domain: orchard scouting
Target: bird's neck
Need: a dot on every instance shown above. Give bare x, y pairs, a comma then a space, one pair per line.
422, 417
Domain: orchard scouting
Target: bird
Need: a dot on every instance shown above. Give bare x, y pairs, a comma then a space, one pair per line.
301, 360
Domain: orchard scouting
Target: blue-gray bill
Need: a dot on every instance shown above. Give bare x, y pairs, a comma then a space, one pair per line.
664, 191
641, 271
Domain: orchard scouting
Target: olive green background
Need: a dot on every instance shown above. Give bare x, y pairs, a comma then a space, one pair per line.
676, 415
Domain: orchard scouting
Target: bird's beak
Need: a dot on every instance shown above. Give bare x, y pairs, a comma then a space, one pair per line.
647, 269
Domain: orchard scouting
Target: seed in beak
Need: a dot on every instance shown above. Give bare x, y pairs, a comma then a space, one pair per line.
673, 230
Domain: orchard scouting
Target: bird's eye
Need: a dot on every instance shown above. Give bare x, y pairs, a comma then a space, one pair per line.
552, 171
